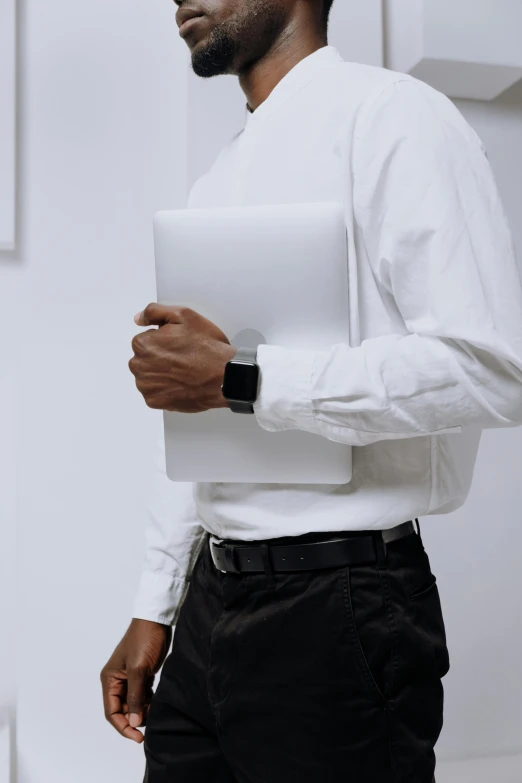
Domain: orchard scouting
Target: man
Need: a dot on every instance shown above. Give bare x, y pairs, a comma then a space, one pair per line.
332, 672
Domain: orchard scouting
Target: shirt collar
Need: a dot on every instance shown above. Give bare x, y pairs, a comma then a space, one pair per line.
297, 77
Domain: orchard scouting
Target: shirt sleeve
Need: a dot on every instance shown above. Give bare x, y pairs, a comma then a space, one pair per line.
173, 541
430, 218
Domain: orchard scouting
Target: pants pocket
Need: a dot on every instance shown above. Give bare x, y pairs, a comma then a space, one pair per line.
370, 626
418, 593
428, 612
424, 606
417, 576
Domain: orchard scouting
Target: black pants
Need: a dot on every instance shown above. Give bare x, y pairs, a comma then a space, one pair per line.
327, 676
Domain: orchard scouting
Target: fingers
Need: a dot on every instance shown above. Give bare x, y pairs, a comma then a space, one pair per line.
137, 686
156, 314
114, 695
121, 724
146, 709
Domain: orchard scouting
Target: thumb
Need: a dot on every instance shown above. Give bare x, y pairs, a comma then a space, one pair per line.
156, 314
136, 689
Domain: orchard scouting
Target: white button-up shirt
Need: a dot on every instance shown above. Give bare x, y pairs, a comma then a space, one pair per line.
435, 352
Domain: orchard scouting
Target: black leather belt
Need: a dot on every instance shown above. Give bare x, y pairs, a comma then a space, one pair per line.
332, 552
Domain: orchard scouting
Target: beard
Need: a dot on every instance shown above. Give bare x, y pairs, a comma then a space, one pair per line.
246, 36
217, 56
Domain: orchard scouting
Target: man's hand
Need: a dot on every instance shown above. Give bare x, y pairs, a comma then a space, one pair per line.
180, 366
128, 676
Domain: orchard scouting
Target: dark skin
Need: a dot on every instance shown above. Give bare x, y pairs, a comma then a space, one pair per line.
179, 365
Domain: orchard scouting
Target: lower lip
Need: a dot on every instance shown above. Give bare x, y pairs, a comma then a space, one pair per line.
189, 24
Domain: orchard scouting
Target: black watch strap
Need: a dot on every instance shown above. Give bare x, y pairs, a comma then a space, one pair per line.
240, 407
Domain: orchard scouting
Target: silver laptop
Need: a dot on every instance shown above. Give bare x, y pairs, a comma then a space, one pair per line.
281, 270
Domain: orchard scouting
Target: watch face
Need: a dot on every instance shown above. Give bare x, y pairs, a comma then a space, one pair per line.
241, 381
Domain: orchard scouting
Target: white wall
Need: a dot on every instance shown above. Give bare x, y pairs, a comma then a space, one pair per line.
7, 123
8, 550
104, 143
103, 134
479, 573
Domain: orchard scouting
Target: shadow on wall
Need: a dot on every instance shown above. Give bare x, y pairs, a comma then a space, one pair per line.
8, 765
511, 97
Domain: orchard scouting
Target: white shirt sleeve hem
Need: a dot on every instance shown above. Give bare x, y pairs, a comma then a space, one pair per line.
159, 597
284, 400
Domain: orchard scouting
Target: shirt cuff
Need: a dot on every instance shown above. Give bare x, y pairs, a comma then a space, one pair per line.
284, 401
159, 597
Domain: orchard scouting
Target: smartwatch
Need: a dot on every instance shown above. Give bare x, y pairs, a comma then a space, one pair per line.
241, 381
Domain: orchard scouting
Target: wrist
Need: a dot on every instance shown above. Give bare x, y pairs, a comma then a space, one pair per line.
229, 351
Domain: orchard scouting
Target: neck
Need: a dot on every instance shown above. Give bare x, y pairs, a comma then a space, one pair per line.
259, 79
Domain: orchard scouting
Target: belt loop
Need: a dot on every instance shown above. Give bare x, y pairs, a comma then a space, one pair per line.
418, 529
230, 560
380, 547
265, 554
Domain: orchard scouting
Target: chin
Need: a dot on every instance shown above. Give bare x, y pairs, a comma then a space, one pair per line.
209, 59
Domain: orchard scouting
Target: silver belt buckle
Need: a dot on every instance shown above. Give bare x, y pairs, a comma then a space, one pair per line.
214, 540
